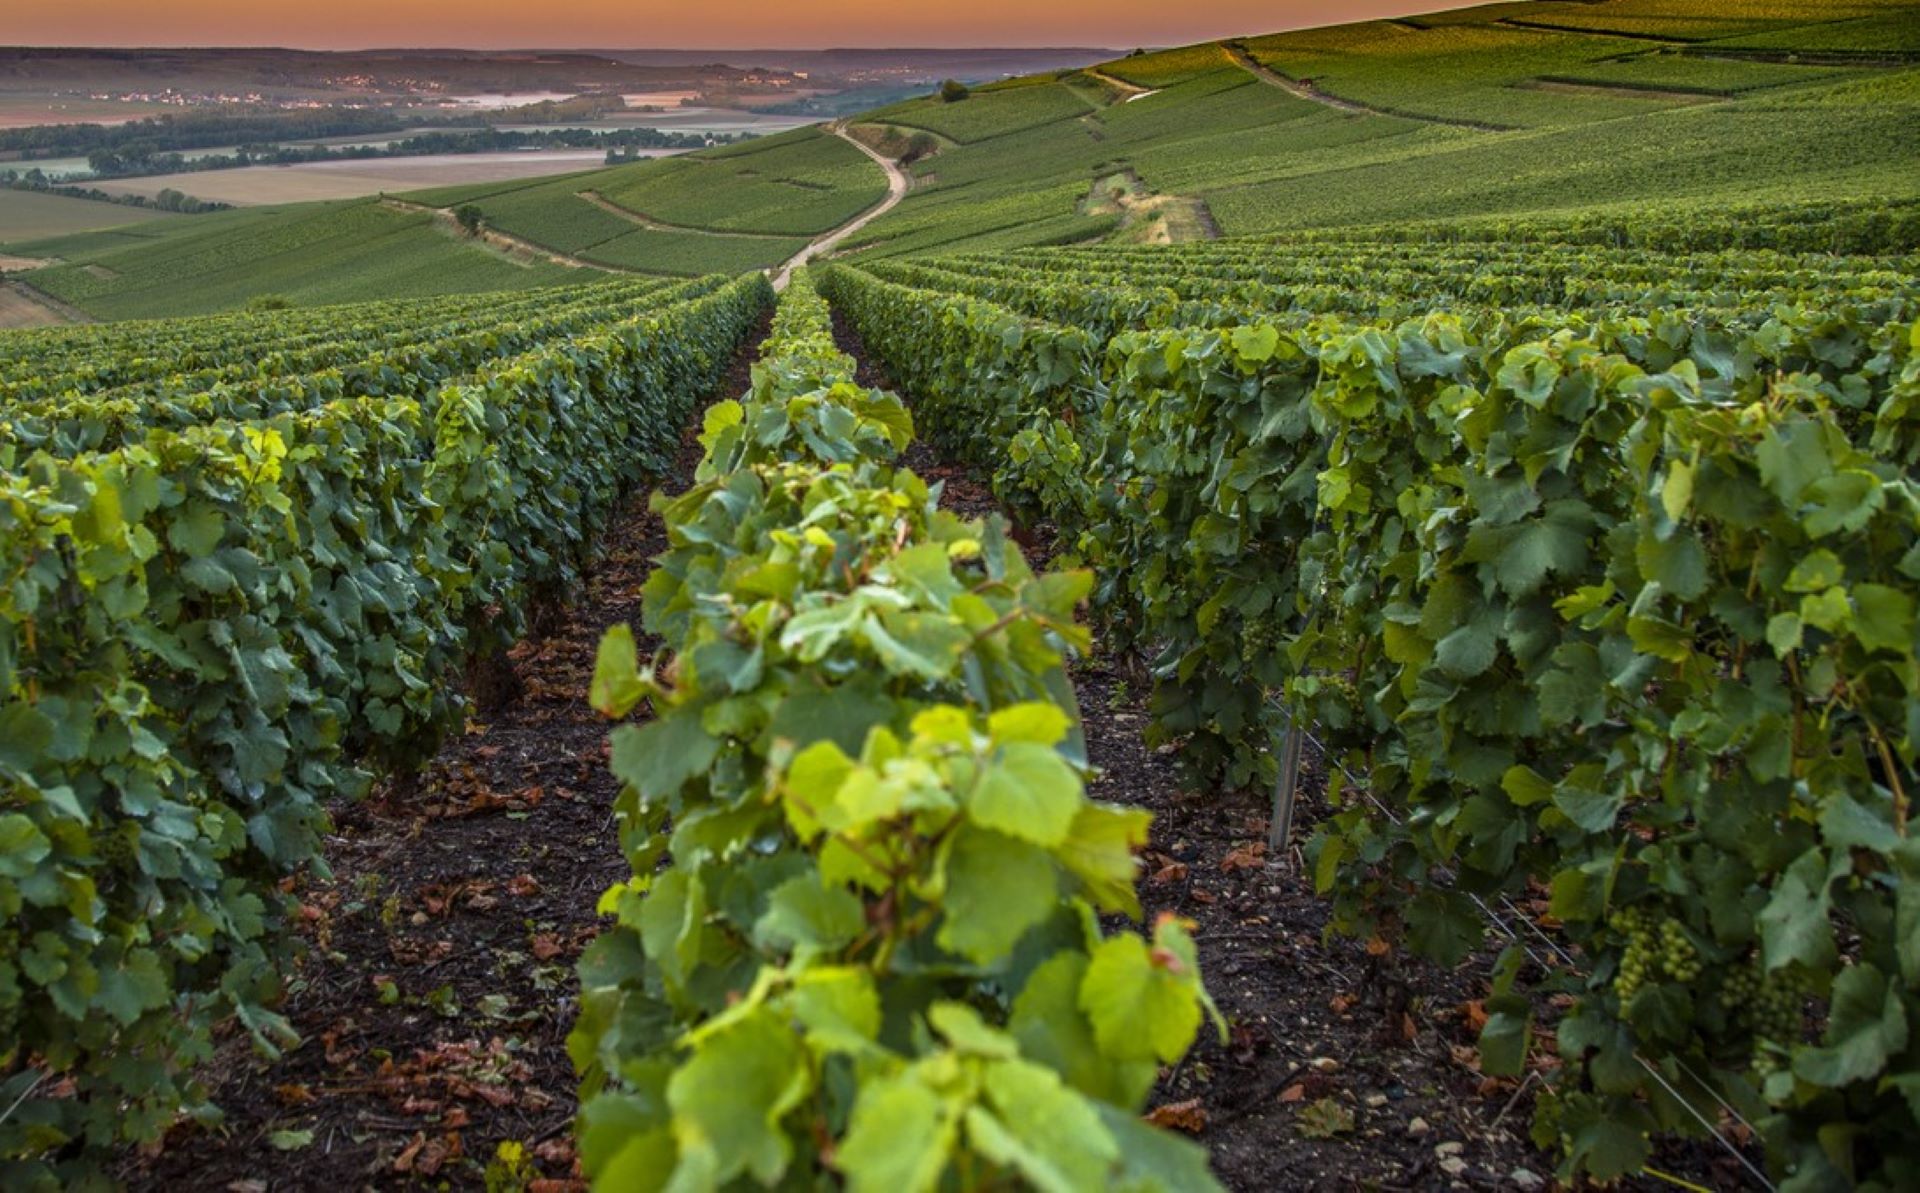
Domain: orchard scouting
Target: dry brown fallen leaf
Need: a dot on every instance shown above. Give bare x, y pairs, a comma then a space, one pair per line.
1171, 872
293, 1094
1245, 857
1189, 1116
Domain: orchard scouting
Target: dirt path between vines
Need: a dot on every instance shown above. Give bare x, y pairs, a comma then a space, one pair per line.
898, 184
435, 1003
1344, 1068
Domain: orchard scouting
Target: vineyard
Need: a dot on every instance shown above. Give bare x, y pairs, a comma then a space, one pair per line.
1332, 610
248, 558
1590, 570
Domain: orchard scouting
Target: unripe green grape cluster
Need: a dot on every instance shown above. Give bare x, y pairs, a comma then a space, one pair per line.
1656, 948
1771, 1005
1259, 637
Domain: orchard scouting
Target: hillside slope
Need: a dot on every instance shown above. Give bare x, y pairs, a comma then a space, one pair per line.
1542, 109
1504, 109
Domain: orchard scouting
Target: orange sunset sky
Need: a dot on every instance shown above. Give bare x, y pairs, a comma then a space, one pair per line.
634, 24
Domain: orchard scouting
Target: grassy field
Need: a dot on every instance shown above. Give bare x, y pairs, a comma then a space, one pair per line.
28, 215
1168, 67
310, 255
1681, 21
1715, 76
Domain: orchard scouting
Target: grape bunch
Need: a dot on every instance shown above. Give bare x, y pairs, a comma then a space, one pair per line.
1656, 948
1259, 637
1771, 1005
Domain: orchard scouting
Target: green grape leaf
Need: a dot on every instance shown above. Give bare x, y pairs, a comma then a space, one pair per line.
1100, 850
1027, 791
840, 1008
1053, 1031
1866, 1028
1795, 924
1677, 564
731, 1094
133, 985
997, 889
1883, 618
1047, 1132
657, 758
899, 1139
1140, 1008
1154, 1161
22, 846
807, 918
616, 684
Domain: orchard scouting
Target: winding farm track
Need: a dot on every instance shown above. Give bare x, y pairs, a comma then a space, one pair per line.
898, 184
1132, 91
1299, 90
506, 240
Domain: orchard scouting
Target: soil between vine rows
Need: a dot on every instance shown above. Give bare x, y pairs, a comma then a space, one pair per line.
438, 991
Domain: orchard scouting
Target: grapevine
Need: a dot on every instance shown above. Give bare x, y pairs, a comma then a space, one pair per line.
1504, 558
283, 576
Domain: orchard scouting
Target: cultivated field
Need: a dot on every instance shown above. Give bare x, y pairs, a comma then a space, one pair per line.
18, 308
315, 253
28, 215
310, 181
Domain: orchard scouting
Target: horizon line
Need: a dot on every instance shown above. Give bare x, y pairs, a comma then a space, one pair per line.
611, 49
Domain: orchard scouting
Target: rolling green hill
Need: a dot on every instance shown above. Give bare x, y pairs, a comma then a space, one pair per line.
309, 253
1617, 106
1537, 110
